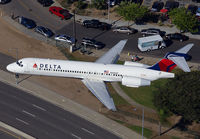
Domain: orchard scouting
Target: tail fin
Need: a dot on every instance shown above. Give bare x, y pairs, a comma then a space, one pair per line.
173, 59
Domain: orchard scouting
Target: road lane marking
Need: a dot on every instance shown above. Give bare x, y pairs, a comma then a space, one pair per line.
22, 121
39, 107
87, 131
28, 113
75, 136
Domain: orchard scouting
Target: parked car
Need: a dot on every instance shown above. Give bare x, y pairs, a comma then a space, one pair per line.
45, 3
192, 8
157, 6
60, 12
96, 24
28, 23
152, 31
124, 29
198, 12
197, 1
65, 38
92, 43
169, 5
177, 36
104, 26
4, 1
44, 31
91, 23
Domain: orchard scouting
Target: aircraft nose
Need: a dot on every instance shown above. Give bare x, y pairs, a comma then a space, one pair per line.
10, 67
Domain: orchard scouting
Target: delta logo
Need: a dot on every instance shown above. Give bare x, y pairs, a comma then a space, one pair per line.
35, 65
50, 66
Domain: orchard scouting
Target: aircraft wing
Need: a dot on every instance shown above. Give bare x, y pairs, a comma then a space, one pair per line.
99, 89
185, 49
181, 63
113, 54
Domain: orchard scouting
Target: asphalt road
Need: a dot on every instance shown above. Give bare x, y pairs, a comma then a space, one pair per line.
43, 120
32, 9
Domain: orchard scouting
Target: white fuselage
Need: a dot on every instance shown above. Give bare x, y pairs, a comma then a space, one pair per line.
79, 69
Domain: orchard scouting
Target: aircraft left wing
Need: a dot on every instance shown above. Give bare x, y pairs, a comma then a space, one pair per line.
113, 54
99, 89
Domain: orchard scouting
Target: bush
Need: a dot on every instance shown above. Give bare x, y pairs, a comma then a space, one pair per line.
81, 5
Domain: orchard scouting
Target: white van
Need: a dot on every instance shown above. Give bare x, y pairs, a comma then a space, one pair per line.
151, 43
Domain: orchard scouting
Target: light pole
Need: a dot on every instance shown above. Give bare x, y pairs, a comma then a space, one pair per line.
108, 10
74, 32
142, 122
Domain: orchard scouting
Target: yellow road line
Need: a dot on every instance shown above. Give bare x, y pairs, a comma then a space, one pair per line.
10, 133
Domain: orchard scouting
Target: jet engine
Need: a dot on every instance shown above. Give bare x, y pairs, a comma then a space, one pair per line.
135, 64
135, 82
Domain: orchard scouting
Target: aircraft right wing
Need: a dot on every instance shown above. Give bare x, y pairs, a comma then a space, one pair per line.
98, 88
112, 55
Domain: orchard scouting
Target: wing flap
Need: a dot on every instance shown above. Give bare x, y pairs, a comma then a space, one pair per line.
113, 54
98, 88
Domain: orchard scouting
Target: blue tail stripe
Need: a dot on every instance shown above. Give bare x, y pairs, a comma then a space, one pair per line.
168, 68
155, 67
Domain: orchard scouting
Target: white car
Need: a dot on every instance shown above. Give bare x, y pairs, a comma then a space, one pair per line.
65, 38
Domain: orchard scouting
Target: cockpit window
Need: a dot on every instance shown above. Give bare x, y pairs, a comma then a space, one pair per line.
19, 63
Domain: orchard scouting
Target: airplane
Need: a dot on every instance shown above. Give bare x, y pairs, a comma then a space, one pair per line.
95, 74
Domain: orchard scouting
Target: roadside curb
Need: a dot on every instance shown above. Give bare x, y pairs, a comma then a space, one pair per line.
10, 128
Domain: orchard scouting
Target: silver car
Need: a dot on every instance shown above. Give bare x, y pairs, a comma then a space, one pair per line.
65, 38
124, 29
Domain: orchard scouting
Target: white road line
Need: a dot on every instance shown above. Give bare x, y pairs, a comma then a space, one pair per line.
75, 136
87, 131
22, 121
28, 113
39, 107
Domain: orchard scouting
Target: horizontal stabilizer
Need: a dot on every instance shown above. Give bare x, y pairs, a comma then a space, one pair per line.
185, 49
181, 63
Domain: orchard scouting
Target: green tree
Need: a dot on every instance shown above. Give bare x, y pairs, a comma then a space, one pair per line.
181, 96
184, 20
100, 4
131, 11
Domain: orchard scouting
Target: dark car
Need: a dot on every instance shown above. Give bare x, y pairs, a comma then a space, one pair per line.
104, 26
192, 8
91, 23
157, 6
177, 36
169, 5
4, 1
60, 12
92, 43
44, 31
152, 31
197, 1
28, 23
45, 3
